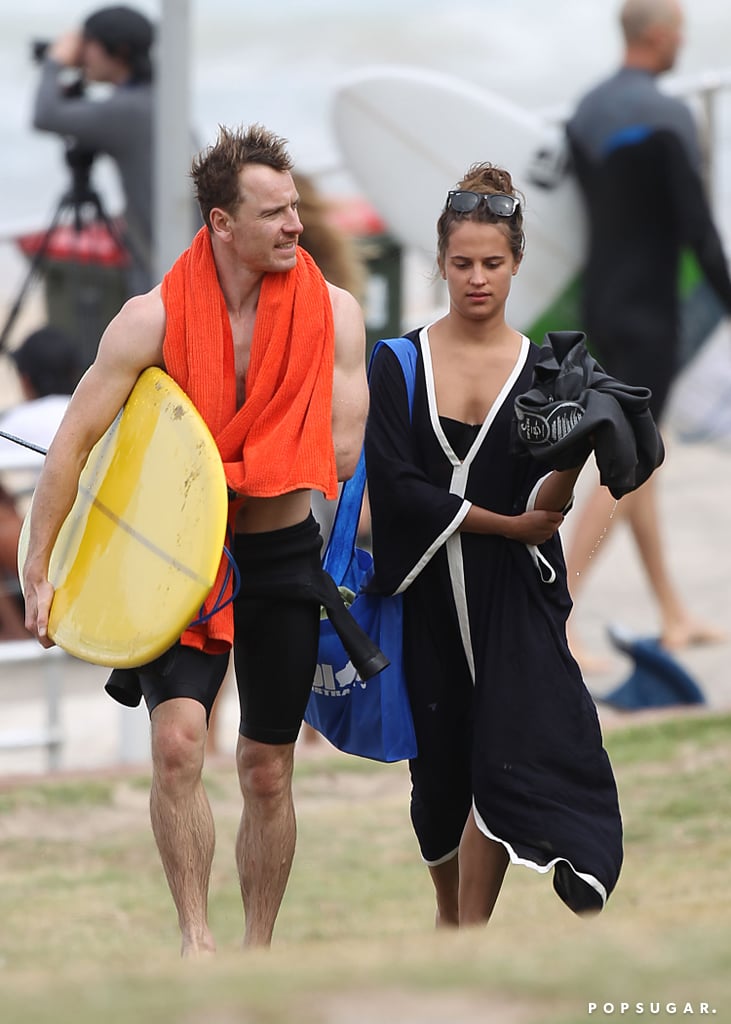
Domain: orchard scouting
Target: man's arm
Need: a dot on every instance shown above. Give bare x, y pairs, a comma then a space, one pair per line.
350, 385
131, 343
693, 215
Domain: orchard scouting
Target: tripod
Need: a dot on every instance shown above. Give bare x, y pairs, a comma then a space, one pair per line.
84, 298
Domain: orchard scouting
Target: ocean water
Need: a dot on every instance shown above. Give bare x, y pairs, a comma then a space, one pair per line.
280, 64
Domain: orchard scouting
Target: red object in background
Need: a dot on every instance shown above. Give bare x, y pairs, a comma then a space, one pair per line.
92, 244
355, 216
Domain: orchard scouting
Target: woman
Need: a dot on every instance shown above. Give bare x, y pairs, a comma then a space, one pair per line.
511, 765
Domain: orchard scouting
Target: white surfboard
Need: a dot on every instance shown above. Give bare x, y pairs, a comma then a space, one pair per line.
409, 135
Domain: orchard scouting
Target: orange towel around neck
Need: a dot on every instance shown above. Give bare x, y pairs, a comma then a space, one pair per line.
280, 440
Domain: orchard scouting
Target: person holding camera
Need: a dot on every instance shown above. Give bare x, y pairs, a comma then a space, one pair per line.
113, 47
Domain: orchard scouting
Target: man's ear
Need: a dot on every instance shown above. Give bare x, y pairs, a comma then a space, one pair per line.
220, 222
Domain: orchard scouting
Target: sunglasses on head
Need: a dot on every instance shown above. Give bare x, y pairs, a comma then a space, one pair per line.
498, 203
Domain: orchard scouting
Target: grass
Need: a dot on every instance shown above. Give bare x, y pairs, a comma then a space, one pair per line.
88, 934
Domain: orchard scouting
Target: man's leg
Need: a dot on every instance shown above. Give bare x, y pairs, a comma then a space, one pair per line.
639, 509
678, 627
182, 822
590, 531
482, 867
266, 839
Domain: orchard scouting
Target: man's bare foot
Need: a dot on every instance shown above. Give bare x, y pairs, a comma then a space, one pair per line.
691, 633
197, 949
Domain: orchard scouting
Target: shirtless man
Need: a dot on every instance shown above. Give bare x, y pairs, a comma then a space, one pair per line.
243, 299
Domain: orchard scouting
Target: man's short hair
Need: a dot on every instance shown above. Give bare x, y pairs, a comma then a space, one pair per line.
215, 171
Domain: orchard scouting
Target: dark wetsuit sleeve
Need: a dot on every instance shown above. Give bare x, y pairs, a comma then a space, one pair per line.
693, 216
411, 517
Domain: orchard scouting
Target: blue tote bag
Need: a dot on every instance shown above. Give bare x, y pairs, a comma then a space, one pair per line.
370, 719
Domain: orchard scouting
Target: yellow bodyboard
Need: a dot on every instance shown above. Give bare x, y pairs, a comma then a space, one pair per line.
139, 552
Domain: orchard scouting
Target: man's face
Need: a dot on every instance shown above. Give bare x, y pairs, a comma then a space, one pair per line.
266, 227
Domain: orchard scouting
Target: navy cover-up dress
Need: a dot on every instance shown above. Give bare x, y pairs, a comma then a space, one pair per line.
503, 719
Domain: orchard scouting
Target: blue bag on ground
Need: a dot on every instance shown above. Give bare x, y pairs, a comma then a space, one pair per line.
370, 719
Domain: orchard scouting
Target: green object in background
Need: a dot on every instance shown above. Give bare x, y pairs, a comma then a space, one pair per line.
564, 314
384, 288
81, 299
701, 310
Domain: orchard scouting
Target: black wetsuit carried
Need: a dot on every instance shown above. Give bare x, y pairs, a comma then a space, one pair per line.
638, 162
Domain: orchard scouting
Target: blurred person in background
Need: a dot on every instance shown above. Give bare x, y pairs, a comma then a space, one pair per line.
112, 47
48, 369
637, 156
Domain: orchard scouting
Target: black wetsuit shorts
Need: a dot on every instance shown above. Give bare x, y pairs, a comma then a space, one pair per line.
276, 631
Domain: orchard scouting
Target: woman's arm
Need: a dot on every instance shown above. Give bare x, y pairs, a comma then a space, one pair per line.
533, 527
556, 493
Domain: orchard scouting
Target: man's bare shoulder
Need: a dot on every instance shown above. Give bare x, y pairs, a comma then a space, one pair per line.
137, 331
144, 311
346, 308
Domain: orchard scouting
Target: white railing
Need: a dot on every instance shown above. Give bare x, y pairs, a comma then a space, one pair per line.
49, 735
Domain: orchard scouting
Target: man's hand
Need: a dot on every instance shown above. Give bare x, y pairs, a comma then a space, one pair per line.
38, 600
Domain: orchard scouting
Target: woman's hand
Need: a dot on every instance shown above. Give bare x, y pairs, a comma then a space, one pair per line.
534, 527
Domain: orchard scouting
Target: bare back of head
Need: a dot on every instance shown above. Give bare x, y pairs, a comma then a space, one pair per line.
652, 31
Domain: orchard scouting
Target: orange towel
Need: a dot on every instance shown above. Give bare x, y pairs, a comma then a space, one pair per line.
280, 440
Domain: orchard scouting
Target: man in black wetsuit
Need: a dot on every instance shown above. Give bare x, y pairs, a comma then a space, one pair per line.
637, 158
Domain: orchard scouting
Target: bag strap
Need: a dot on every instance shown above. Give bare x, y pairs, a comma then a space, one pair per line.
405, 352
341, 542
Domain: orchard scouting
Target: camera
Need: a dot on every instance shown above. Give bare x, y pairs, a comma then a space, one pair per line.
74, 86
39, 49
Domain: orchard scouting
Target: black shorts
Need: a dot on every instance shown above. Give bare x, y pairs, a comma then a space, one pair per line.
276, 634
180, 672
276, 629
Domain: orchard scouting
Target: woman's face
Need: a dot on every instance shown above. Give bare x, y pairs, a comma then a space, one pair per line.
478, 267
